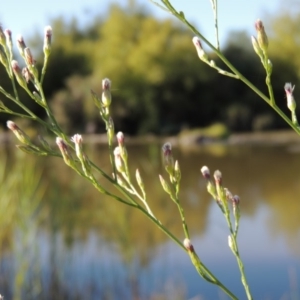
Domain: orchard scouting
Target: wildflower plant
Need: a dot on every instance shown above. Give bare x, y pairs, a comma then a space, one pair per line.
131, 186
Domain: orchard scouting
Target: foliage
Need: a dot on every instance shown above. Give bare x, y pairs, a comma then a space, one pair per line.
157, 84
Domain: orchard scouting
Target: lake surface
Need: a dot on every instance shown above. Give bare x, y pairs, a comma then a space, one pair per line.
60, 239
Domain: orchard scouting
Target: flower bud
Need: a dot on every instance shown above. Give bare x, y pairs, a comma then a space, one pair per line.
139, 179
168, 160
205, 172
47, 40
63, 147
106, 94
27, 75
9, 43
21, 44
77, 140
19, 133
218, 177
165, 185
197, 43
18, 73
262, 38
188, 245
28, 57
291, 103
177, 172
120, 138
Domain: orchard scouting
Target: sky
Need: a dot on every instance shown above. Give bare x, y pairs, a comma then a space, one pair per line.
31, 16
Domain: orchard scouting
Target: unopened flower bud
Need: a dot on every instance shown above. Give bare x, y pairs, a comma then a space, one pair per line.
47, 40
177, 172
262, 38
291, 103
21, 44
139, 179
18, 73
63, 147
9, 44
188, 245
205, 172
167, 156
106, 84
218, 177
236, 200
27, 75
120, 138
77, 140
165, 185
197, 43
19, 133
28, 57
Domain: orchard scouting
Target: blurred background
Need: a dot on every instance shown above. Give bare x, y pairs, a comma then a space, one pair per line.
60, 239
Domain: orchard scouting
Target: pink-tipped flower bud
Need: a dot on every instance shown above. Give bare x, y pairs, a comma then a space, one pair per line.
205, 172
188, 245
167, 157
236, 200
8, 37
77, 140
291, 103
18, 132
47, 40
120, 138
18, 73
21, 42
63, 147
106, 94
218, 177
197, 43
262, 38
106, 84
28, 57
27, 75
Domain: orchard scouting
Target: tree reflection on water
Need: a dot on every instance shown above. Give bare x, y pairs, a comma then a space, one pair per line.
61, 239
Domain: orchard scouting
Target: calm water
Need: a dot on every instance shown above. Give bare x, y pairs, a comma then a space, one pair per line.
60, 239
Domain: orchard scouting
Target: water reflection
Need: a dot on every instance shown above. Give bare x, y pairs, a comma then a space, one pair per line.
60, 239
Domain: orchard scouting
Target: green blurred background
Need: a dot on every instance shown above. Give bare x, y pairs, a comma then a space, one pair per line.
159, 84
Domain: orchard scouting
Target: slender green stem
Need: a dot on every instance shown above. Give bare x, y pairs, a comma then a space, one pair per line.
214, 4
183, 221
241, 267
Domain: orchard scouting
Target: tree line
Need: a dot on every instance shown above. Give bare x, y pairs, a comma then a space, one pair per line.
159, 84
